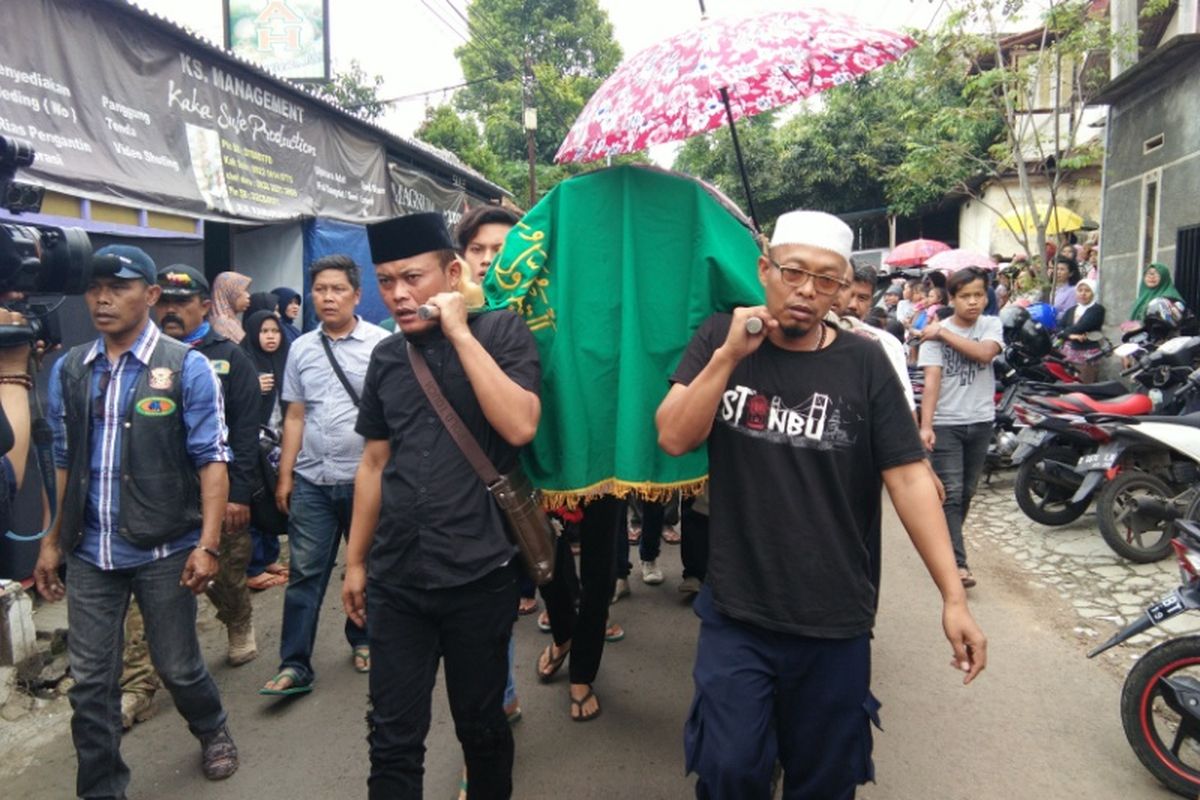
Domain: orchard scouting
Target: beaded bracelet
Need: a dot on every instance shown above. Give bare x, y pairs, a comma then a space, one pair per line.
18, 378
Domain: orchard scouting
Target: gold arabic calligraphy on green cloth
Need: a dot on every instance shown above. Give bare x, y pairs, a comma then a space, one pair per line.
613, 271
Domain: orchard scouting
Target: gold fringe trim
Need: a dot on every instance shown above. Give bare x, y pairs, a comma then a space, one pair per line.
654, 492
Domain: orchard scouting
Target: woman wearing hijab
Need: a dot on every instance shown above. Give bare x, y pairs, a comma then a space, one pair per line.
265, 345
230, 297
1080, 326
261, 301
289, 311
1156, 282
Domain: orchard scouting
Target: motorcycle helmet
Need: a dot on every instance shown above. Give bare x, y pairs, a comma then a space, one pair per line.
1012, 317
1043, 313
1164, 311
1034, 339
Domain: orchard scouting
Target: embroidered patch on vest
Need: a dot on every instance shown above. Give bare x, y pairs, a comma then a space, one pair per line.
155, 406
220, 366
161, 378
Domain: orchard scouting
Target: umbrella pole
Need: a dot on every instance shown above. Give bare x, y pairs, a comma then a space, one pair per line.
737, 149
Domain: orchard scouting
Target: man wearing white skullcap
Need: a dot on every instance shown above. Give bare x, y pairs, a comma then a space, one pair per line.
803, 424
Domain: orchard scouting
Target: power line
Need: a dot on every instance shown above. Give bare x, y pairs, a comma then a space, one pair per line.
418, 95
446, 22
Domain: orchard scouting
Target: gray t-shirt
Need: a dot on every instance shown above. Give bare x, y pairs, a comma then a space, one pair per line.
968, 387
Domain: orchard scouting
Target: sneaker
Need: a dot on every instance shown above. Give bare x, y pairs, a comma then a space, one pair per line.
690, 586
135, 707
622, 589
218, 754
651, 574
242, 647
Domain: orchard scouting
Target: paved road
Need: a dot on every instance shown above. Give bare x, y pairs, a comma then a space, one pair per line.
1042, 722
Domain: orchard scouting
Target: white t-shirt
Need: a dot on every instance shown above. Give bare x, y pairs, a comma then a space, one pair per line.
891, 348
968, 387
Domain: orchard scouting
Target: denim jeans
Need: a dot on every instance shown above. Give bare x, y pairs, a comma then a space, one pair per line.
320, 516
959, 453
470, 628
96, 604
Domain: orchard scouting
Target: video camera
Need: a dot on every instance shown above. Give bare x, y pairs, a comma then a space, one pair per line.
35, 259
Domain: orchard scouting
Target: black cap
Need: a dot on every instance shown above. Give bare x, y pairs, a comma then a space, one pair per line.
124, 261
408, 236
180, 280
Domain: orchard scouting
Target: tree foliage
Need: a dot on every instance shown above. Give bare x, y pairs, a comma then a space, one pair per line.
355, 91
556, 53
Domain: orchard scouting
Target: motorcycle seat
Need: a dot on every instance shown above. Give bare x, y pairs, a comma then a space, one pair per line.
1107, 389
1132, 405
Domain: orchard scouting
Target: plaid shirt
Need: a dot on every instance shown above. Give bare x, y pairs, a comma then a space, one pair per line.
112, 388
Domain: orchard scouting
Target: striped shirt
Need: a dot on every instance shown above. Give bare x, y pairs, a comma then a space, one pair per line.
204, 420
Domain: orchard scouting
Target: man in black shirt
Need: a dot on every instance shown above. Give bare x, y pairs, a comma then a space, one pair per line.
803, 425
439, 578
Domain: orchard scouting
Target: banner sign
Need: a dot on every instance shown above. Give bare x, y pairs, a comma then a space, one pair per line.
288, 37
413, 192
120, 110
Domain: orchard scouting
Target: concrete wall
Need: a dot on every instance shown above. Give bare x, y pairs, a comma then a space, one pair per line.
980, 229
272, 255
1170, 108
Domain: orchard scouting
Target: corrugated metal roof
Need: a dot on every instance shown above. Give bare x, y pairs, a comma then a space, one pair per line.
414, 149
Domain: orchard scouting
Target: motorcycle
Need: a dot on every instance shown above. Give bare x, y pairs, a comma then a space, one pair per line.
1060, 430
1160, 700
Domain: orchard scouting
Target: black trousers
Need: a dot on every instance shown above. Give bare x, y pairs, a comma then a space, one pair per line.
694, 542
469, 626
603, 520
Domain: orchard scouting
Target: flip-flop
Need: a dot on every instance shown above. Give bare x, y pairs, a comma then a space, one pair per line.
527, 606
544, 625
362, 658
614, 633
580, 703
265, 580
670, 534
295, 688
553, 665
275, 568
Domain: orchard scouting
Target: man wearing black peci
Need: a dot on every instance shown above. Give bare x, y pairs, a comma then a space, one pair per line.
429, 560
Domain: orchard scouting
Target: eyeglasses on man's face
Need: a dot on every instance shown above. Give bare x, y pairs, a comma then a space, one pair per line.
797, 277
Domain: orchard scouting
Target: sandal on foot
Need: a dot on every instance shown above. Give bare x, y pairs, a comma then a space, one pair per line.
295, 688
543, 622
579, 704
527, 606
362, 658
614, 633
551, 663
265, 580
968, 580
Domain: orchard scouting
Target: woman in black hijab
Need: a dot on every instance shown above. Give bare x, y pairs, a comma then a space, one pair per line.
289, 311
267, 348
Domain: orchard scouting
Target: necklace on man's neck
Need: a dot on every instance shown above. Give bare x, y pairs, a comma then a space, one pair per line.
820, 339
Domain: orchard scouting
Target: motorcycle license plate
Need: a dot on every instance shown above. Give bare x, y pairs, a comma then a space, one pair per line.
1032, 436
1164, 609
1100, 460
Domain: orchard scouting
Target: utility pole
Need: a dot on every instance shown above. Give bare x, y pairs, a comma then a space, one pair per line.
530, 130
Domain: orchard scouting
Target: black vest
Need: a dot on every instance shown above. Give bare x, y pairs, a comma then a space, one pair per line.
160, 487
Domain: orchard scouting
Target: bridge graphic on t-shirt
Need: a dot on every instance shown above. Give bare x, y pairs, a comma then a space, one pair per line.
816, 422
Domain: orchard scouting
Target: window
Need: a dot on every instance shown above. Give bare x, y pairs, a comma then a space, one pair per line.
1152, 144
1149, 220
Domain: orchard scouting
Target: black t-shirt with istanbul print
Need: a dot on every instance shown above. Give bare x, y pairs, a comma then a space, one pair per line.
795, 457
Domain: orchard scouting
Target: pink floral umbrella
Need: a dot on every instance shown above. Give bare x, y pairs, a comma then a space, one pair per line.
950, 261
915, 253
722, 71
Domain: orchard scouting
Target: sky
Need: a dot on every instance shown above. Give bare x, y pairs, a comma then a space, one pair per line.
413, 48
